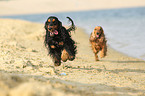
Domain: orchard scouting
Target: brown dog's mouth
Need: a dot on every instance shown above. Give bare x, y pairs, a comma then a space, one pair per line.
97, 35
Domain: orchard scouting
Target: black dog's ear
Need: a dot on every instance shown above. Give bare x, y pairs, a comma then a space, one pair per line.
59, 24
45, 26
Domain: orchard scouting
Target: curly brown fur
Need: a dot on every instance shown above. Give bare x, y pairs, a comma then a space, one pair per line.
98, 42
58, 40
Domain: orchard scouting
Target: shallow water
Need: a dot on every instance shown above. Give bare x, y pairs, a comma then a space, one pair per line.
124, 28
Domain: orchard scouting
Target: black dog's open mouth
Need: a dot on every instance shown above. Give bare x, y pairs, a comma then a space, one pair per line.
52, 33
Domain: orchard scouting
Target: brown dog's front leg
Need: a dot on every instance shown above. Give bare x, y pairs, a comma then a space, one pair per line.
96, 57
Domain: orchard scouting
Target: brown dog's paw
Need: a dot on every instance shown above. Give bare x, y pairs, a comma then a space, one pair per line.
64, 56
96, 57
102, 55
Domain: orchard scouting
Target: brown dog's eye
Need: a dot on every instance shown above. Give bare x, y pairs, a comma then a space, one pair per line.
100, 29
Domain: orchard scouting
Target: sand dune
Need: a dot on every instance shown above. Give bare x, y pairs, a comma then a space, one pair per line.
27, 70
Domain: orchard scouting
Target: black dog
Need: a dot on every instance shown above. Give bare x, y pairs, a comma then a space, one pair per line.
58, 40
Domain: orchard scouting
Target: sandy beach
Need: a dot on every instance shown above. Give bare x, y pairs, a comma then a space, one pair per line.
27, 70
26, 65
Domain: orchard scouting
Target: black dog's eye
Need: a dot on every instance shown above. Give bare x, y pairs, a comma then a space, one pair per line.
53, 20
49, 20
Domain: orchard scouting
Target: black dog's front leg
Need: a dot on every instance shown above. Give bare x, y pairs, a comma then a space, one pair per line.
52, 43
56, 56
70, 47
56, 44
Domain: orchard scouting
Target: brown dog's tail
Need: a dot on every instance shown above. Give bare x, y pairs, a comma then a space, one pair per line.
72, 28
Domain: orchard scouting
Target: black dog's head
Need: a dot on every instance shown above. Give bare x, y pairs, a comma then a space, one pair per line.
52, 25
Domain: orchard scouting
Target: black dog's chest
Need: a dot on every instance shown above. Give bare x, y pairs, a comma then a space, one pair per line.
57, 38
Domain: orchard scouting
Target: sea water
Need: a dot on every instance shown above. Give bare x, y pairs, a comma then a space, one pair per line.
124, 28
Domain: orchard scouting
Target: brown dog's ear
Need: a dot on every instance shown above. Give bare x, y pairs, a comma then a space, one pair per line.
92, 37
93, 33
101, 29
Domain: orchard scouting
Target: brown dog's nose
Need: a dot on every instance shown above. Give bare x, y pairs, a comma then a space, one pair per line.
97, 33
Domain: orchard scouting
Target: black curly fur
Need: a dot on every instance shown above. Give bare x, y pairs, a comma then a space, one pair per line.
62, 37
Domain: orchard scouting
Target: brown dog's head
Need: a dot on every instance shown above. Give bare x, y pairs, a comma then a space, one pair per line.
98, 31
52, 24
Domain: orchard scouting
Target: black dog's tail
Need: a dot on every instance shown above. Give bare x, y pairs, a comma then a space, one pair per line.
72, 28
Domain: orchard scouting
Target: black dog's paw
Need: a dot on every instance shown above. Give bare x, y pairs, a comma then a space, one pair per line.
57, 63
71, 58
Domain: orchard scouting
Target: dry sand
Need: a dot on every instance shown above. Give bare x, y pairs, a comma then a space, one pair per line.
27, 70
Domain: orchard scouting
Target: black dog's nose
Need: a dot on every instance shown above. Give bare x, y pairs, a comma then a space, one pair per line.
50, 28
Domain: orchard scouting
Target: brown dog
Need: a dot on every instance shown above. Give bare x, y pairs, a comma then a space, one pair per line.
98, 42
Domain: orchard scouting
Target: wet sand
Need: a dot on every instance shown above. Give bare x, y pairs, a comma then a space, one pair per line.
27, 70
